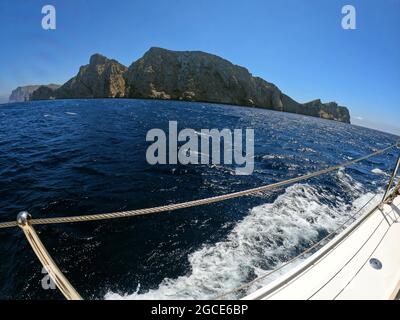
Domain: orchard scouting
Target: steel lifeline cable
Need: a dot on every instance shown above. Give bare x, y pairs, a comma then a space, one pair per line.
194, 203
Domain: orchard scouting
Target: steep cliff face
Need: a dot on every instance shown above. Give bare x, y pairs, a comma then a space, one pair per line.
197, 76
22, 93
101, 78
184, 75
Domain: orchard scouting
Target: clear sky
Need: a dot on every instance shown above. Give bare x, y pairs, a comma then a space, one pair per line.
297, 44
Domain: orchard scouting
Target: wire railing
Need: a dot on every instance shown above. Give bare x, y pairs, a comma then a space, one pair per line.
194, 203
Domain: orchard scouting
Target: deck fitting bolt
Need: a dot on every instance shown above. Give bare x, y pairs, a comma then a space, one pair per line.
375, 263
23, 218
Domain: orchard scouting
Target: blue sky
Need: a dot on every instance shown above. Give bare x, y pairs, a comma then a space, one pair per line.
297, 44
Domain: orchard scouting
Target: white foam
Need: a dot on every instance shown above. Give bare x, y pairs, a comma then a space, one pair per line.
273, 156
269, 232
307, 150
378, 171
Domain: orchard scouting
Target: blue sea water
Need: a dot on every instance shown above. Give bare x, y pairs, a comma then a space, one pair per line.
73, 157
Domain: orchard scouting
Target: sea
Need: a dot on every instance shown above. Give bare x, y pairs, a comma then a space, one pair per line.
73, 157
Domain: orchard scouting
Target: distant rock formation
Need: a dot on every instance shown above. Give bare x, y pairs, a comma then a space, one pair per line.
24, 93
46, 91
184, 75
330, 110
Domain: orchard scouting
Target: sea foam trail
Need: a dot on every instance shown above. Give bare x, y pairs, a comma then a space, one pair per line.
267, 237
378, 171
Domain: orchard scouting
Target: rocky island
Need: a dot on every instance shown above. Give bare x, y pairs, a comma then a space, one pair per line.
183, 75
24, 93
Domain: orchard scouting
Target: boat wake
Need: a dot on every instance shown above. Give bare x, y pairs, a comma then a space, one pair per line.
267, 237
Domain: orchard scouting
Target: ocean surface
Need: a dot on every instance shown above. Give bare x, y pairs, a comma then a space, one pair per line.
73, 157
